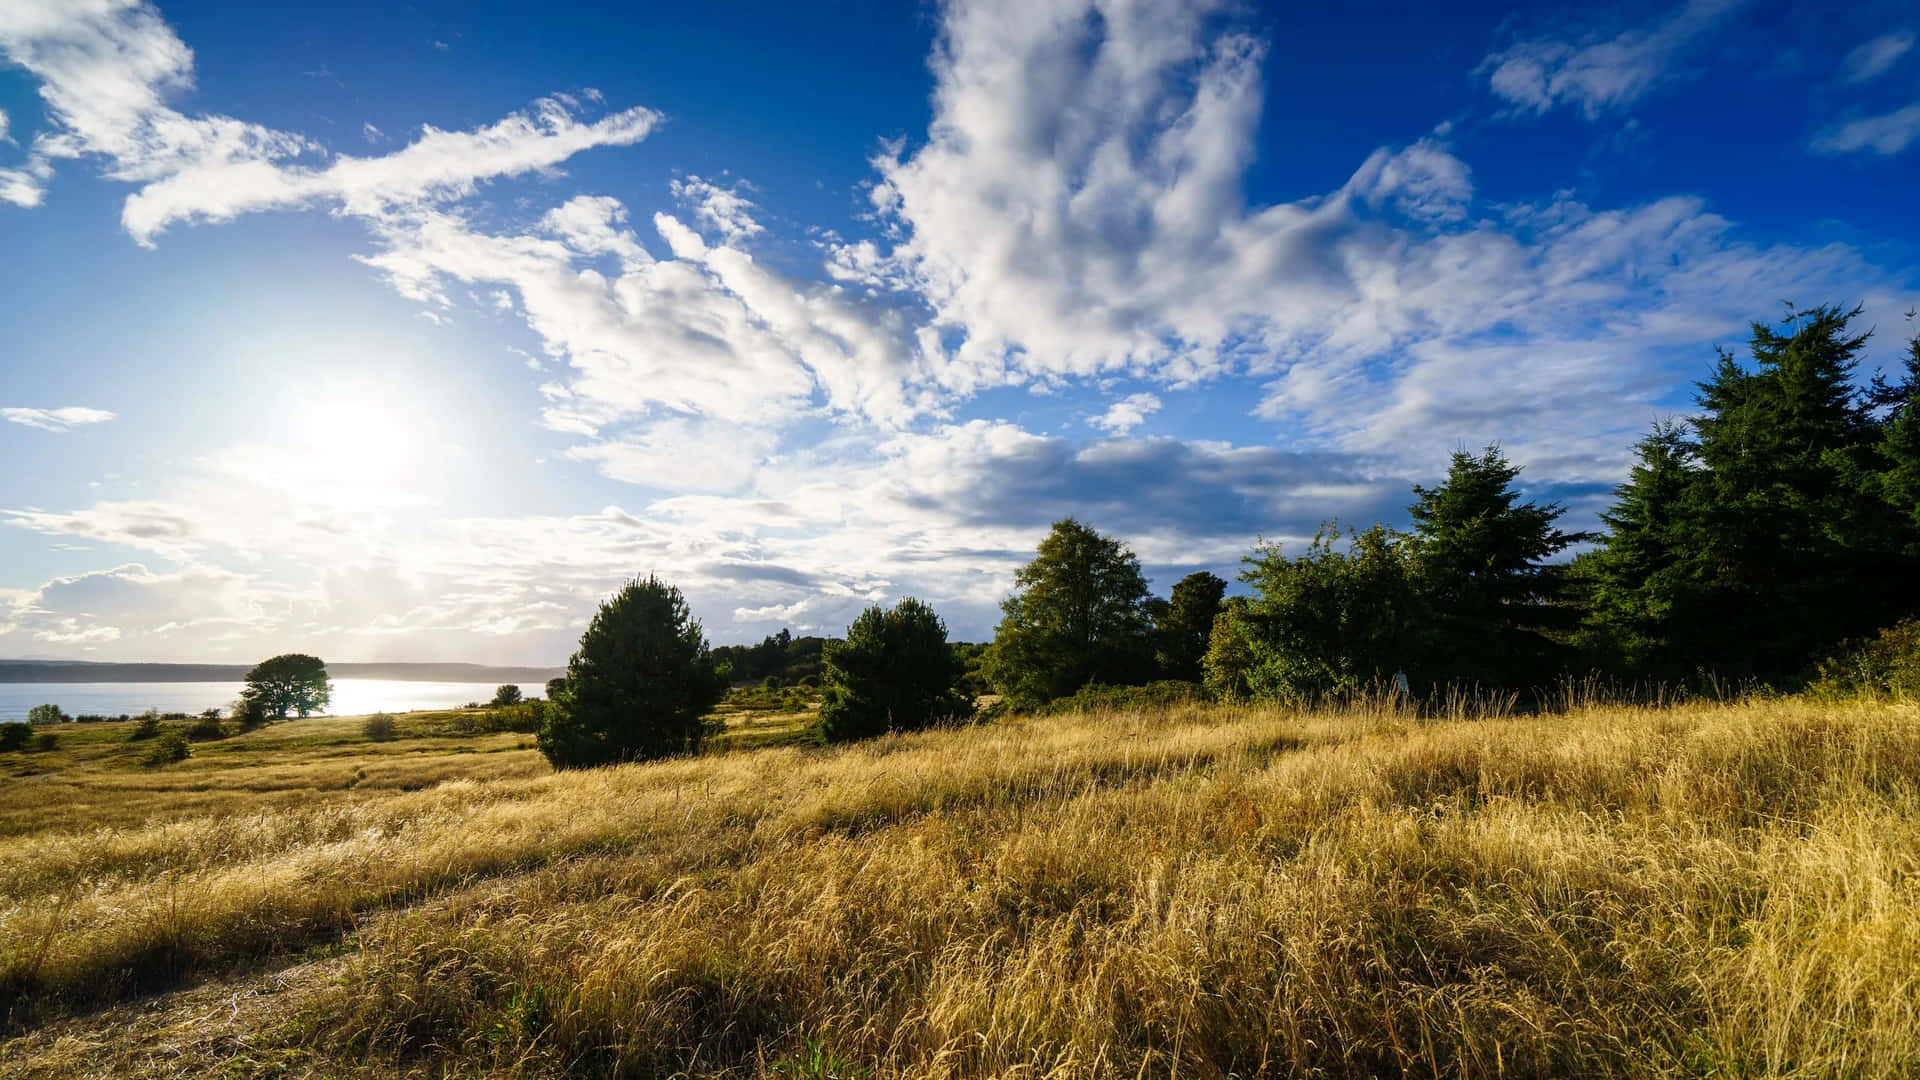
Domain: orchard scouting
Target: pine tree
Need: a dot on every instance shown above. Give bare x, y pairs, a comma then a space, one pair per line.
1640, 589
1484, 573
1787, 534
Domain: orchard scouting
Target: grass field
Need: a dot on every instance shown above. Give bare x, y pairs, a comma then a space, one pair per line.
1716, 890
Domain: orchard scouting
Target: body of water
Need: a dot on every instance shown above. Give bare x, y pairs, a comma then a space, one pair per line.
350, 696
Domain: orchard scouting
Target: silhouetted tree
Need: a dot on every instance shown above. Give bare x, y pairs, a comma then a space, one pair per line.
505, 694
556, 687
290, 682
1079, 615
640, 685
894, 672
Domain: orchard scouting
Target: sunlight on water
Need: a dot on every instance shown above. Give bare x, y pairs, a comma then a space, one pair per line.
350, 696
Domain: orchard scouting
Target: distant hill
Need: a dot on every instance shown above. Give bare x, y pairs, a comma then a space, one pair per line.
88, 671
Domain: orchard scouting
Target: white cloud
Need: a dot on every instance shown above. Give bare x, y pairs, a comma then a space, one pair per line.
371, 133
724, 210
1126, 414
64, 419
1887, 134
1596, 74
1875, 58
107, 67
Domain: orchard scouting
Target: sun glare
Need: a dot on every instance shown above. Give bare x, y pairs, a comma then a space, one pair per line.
363, 444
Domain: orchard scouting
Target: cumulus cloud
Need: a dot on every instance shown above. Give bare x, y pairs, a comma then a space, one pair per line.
1594, 73
1126, 414
64, 419
1875, 58
724, 210
1887, 134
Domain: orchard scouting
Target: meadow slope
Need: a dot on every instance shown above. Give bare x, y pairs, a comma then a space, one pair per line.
1714, 890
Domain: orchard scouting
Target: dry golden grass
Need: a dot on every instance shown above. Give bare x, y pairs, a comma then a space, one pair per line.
1707, 891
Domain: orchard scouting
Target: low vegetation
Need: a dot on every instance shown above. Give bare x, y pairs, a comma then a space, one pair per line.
1711, 890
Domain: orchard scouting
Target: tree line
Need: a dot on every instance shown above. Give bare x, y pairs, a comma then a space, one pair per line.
1751, 539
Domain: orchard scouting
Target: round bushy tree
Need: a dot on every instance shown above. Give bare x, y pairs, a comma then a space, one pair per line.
292, 682
640, 685
894, 672
506, 694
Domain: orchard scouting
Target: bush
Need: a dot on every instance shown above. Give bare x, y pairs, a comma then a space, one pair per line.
251, 712
45, 741
15, 735
206, 727
894, 672
505, 694
46, 714
170, 748
146, 726
1165, 694
1887, 664
640, 686
380, 728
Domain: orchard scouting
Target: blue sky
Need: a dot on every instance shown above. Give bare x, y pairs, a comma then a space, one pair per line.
410, 333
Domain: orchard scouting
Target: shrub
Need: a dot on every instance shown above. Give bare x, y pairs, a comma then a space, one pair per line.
146, 726
380, 728
45, 741
169, 748
46, 714
1886, 664
15, 735
505, 694
1164, 694
894, 672
207, 727
640, 686
251, 712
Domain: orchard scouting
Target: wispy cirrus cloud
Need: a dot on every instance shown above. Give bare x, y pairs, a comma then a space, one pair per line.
1596, 73
1886, 134
56, 420
1872, 59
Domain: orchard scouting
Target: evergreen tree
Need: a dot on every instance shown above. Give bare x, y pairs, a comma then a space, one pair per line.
1079, 616
894, 672
1182, 625
1793, 548
1484, 573
1640, 594
640, 685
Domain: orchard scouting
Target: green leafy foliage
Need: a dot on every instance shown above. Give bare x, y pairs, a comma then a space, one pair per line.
46, 714
894, 672
1079, 615
505, 694
639, 686
15, 735
1183, 625
146, 726
207, 727
1884, 665
290, 682
1328, 623
169, 748
380, 727
1153, 696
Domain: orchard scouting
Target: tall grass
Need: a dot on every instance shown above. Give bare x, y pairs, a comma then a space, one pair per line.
1715, 890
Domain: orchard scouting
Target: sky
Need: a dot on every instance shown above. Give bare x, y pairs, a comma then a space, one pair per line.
411, 332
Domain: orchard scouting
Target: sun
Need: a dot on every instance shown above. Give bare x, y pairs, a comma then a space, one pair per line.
363, 443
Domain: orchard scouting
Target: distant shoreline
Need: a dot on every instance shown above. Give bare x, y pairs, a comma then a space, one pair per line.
88, 671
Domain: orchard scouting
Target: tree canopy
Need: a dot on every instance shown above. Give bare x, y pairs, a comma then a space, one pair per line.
639, 686
290, 682
894, 672
1078, 616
